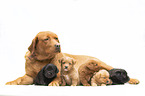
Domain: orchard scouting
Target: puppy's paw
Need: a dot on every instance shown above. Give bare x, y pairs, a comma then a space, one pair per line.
133, 81
94, 84
54, 83
73, 85
86, 84
103, 84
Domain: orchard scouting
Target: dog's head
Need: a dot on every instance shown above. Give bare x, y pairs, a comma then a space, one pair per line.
118, 76
67, 63
45, 45
50, 70
93, 65
103, 77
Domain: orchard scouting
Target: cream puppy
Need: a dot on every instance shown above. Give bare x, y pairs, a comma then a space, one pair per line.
101, 78
69, 74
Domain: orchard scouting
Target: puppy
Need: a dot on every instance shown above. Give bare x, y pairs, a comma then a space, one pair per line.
46, 75
69, 74
87, 70
118, 76
101, 78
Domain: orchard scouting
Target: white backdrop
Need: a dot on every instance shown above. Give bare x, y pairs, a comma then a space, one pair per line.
111, 30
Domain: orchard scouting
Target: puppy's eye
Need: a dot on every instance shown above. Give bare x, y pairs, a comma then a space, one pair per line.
63, 62
96, 65
118, 73
92, 63
104, 77
56, 38
46, 39
69, 63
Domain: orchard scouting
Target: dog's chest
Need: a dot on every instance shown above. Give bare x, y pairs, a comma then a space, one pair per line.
67, 79
37, 66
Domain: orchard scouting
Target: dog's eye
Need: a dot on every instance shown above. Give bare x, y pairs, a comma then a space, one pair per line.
104, 77
63, 62
96, 64
118, 73
69, 63
46, 39
56, 38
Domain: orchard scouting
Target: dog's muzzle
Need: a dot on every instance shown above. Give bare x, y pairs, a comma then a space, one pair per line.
57, 47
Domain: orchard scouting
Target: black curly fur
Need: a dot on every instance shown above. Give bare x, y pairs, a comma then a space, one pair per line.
46, 75
118, 76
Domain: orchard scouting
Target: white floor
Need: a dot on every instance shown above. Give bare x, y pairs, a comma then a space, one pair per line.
114, 90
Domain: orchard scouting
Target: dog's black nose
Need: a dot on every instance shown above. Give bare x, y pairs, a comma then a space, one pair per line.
57, 46
49, 73
66, 67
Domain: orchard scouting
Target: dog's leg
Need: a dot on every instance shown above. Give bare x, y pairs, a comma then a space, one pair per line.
56, 81
93, 82
63, 82
25, 80
84, 82
74, 81
133, 81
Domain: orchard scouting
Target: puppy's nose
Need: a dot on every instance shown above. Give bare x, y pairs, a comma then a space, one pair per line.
49, 73
66, 67
57, 46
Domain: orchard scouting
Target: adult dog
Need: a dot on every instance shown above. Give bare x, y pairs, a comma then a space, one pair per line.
44, 49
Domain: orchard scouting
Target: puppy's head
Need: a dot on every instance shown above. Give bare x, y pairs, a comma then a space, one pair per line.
119, 76
45, 45
67, 63
103, 77
93, 65
50, 71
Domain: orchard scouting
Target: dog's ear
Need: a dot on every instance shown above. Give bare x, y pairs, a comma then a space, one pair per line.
32, 47
60, 60
73, 61
56, 71
98, 75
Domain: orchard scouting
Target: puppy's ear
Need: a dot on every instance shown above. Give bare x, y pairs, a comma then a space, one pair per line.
60, 60
73, 61
98, 75
32, 47
56, 71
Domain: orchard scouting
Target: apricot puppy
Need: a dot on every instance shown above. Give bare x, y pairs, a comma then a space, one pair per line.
101, 78
69, 74
87, 70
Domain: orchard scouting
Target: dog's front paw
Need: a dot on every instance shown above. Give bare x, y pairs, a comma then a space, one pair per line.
54, 83
94, 84
133, 81
86, 84
11, 83
103, 84
73, 85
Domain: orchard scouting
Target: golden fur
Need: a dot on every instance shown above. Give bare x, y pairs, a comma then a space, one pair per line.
101, 78
41, 52
68, 72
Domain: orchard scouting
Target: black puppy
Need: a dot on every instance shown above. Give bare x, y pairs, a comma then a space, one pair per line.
46, 75
118, 76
